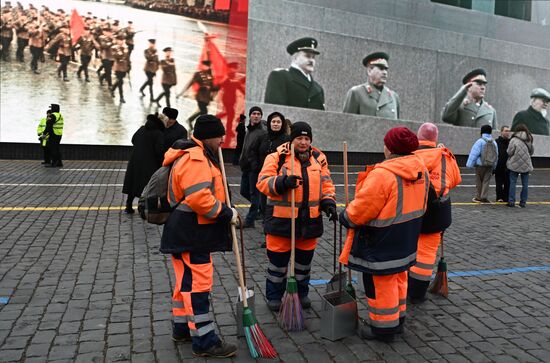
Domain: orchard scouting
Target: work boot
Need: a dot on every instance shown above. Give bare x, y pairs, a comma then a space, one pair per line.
87, 79
181, 338
366, 333
122, 100
129, 210
305, 302
220, 350
417, 299
274, 305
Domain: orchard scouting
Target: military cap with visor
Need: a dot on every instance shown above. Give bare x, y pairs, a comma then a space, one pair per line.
306, 44
376, 59
477, 75
167, 49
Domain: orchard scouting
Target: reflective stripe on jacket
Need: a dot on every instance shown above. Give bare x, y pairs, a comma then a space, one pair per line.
386, 216
316, 191
41, 126
58, 124
193, 225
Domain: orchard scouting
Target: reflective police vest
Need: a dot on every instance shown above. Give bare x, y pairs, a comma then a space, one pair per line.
41, 126
58, 124
386, 216
316, 190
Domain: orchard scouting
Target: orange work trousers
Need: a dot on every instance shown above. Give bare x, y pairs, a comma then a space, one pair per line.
420, 274
386, 301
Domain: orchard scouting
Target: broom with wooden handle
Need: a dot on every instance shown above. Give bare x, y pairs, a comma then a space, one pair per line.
257, 342
291, 316
349, 287
440, 284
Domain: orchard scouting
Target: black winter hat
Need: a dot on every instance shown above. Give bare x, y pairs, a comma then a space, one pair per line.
486, 129
54, 107
171, 113
300, 129
255, 108
208, 127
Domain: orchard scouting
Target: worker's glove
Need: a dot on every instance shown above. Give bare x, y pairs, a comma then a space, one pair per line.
292, 181
235, 217
343, 221
330, 211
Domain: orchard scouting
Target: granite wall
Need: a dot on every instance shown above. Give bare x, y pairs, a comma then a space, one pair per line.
431, 47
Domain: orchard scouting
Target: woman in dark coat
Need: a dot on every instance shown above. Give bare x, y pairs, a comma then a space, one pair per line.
146, 158
276, 136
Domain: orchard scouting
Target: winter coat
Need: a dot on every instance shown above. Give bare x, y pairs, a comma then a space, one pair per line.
271, 142
474, 158
250, 156
147, 156
241, 132
519, 153
535, 122
502, 144
173, 133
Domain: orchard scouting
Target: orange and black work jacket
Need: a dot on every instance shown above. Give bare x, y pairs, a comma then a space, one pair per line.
386, 216
200, 222
314, 194
444, 176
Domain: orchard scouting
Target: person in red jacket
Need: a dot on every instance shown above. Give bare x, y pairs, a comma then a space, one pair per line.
444, 176
314, 192
198, 226
384, 221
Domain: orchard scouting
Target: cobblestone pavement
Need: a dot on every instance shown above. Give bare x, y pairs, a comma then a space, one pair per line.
80, 281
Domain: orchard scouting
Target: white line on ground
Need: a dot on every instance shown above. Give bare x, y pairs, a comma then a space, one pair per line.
231, 185
92, 169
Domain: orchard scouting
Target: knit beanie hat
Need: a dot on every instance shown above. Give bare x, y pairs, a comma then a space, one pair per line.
486, 129
300, 129
208, 127
428, 131
255, 108
172, 113
401, 141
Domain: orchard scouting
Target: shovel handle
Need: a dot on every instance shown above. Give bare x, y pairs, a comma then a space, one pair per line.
334, 252
233, 233
242, 248
346, 194
292, 215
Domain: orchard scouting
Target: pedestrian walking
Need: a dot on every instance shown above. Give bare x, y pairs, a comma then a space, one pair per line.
444, 176
198, 226
385, 218
54, 132
151, 68
251, 165
169, 78
146, 158
374, 98
314, 193
519, 163
502, 174
468, 106
484, 157
535, 117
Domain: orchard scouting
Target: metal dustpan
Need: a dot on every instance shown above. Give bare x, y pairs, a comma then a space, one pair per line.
339, 310
239, 307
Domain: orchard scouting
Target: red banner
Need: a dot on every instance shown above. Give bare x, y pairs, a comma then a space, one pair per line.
77, 27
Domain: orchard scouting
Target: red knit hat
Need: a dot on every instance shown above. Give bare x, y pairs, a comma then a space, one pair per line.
401, 141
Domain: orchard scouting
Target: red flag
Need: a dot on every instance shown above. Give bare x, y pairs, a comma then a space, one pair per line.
222, 4
218, 64
77, 26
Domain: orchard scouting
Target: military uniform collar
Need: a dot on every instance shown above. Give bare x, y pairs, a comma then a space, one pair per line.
308, 76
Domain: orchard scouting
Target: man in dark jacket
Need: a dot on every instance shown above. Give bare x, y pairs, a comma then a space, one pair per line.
502, 178
174, 130
534, 117
241, 132
251, 164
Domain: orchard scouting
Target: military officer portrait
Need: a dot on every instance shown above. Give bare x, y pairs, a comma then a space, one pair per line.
374, 98
295, 86
468, 106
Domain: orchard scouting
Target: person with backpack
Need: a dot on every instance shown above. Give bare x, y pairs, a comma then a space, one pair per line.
484, 157
198, 226
444, 176
315, 193
519, 163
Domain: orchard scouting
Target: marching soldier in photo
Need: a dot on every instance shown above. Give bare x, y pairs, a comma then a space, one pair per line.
205, 83
54, 130
374, 98
295, 85
106, 54
121, 66
315, 193
384, 222
63, 42
169, 78
6, 33
37, 40
151, 68
86, 46
22, 36
129, 34
468, 106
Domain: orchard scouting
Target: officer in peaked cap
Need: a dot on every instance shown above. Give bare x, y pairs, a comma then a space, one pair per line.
468, 106
374, 98
535, 117
295, 86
